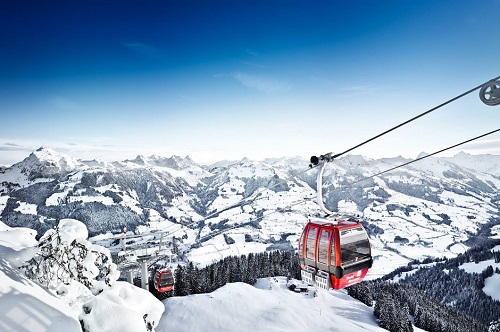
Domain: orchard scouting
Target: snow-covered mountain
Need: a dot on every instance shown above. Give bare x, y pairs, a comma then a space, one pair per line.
44, 163
434, 207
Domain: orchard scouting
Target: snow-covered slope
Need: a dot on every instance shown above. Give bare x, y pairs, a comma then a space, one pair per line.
24, 305
267, 306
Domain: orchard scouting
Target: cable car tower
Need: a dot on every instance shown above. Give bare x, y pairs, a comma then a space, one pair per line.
334, 250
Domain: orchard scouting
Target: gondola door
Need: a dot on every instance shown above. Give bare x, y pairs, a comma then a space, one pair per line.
307, 252
324, 244
310, 245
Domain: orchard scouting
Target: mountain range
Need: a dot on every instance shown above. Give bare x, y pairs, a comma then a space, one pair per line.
434, 207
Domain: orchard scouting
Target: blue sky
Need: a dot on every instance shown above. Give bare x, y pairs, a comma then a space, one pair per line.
228, 79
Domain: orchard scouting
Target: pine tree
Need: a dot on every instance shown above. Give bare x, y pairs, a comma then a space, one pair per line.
285, 262
204, 281
385, 311
235, 269
223, 274
295, 269
392, 314
179, 285
195, 282
244, 267
213, 277
403, 320
264, 265
251, 275
191, 279
361, 292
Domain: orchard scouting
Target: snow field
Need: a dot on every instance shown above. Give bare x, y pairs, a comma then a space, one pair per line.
216, 249
496, 231
491, 284
26, 208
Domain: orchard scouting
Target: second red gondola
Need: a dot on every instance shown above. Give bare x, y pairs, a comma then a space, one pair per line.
164, 281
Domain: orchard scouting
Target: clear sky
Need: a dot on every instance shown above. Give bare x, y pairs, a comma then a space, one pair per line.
227, 79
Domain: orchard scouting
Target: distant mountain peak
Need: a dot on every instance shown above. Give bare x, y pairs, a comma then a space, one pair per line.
354, 159
140, 159
486, 163
174, 162
46, 163
463, 155
245, 160
422, 155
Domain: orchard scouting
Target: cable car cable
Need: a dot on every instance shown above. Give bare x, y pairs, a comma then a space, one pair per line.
488, 83
245, 223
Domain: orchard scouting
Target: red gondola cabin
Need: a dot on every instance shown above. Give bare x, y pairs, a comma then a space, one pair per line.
164, 281
334, 253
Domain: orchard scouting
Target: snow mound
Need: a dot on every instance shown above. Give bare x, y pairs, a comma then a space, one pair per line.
17, 238
122, 307
72, 229
17, 245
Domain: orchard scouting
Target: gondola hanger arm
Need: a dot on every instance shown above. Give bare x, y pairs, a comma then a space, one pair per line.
321, 161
